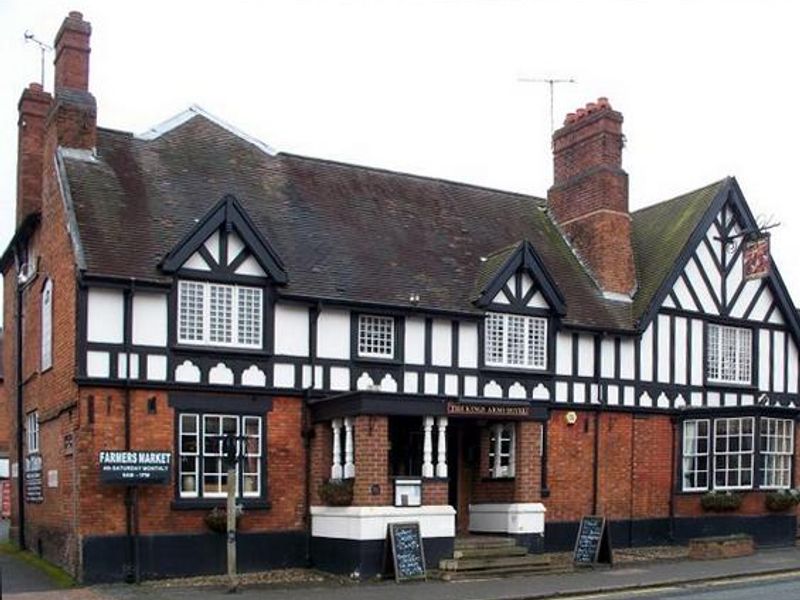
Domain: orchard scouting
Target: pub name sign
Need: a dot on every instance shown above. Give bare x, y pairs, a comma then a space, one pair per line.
499, 411
134, 467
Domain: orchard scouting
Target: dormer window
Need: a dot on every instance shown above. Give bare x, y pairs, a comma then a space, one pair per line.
214, 314
515, 341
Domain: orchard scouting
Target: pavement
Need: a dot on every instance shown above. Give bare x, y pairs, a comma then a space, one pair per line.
23, 584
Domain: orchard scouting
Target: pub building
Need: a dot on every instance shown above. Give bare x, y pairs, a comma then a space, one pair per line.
385, 347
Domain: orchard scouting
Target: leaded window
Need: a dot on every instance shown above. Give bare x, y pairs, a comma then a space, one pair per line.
219, 315
515, 341
375, 336
729, 354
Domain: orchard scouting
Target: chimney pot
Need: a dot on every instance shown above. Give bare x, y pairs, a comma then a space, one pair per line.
76, 14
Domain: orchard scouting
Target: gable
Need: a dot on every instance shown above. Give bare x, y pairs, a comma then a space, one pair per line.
711, 278
227, 243
518, 282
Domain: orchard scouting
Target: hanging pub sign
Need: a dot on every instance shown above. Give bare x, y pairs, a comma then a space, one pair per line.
134, 467
755, 257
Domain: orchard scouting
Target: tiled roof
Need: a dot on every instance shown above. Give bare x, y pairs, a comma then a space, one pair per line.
343, 232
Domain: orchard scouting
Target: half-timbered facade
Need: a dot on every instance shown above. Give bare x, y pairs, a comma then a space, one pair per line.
476, 360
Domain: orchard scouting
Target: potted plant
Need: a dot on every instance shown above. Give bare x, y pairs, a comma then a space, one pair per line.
217, 519
781, 500
715, 501
337, 492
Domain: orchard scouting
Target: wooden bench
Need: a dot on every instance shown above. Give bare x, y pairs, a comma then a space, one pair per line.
727, 546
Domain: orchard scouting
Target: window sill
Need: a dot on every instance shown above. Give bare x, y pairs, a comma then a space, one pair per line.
205, 349
209, 503
516, 370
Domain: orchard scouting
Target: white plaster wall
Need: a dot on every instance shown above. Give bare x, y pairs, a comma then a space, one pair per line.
779, 362
627, 358
468, 345
291, 329
585, 355
564, 353
696, 352
370, 522
415, 341
149, 319
607, 357
646, 354
663, 348
681, 350
764, 382
442, 343
104, 319
333, 334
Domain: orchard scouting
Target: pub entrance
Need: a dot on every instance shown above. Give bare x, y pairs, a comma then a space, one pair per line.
463, 448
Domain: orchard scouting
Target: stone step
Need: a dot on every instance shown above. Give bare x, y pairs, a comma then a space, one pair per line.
502, 572
480, 564
483, 552
465, 543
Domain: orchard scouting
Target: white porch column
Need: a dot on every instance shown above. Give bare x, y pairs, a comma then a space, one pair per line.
441, 448
349, 467
336, 464
427, 448
498, 436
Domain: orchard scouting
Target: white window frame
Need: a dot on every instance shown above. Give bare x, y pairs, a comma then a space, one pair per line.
234, 316
32, 432
252, 446
507, 433
776, 443
692, 457
47, 325
364, 334
728, 456
741, 353
527, 345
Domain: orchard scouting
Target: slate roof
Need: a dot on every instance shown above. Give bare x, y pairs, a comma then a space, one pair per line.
344, 232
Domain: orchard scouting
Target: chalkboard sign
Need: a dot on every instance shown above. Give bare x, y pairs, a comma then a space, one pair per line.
408, 556
593, 544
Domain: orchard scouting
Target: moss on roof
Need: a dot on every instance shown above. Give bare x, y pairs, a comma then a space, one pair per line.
660, 233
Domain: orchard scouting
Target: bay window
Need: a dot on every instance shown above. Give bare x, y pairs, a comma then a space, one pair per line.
216, 314
515, 341
722, 453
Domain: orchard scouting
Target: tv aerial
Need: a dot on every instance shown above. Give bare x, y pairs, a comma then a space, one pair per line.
43, 48
551, 82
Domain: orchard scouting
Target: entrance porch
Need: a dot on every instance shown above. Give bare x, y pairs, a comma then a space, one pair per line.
456, 468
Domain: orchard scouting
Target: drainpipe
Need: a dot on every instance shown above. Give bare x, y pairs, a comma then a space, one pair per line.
672, 481
131, 508
20, 417
596, 465
308, 430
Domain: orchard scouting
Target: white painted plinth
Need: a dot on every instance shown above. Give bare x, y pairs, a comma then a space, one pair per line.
369, 522
516, 518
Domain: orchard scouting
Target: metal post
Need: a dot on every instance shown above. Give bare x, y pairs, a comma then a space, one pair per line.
233, 582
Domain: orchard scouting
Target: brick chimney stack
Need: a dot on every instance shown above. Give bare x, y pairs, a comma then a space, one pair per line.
74, 112
589, 197
34, 104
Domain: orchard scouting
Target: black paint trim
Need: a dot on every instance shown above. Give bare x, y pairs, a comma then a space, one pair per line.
185, 554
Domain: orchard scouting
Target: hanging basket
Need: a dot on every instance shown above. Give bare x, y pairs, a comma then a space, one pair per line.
337, 492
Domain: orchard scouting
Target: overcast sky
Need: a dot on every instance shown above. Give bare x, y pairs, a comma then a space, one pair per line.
708, 89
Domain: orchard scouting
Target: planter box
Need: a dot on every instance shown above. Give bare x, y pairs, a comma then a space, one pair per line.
729, 546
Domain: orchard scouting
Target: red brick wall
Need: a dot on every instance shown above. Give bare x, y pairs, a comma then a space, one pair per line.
102, 509
589, 197
321, 459
371, 447
630, 485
